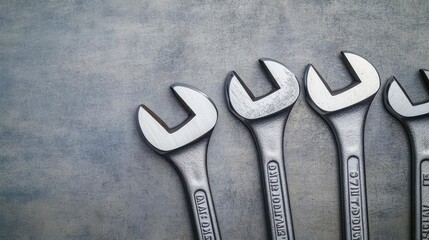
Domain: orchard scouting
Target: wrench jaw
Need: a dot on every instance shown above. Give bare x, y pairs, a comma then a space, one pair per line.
231, 85
400, 105
200, 123
313, 80
248, 108
394, 88
360, 93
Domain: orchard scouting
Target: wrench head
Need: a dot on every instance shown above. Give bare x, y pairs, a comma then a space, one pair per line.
399, 103
365, 86
201, 121
246, 106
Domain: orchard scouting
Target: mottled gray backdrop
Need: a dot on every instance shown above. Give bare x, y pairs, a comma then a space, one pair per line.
72, 73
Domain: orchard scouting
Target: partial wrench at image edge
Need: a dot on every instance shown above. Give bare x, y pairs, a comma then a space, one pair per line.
415, 118
266, 118
345, 112
185, 146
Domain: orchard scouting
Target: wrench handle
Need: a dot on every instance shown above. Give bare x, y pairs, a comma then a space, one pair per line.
191, 163
348, 128
268, 136
419, 139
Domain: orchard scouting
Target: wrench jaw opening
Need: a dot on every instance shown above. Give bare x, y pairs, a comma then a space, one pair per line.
399, 103
199, 124
248, 108
325, 101
171, 152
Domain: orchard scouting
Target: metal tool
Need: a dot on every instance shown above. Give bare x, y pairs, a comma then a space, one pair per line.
185, 146
266, 118
415, 118
345, 111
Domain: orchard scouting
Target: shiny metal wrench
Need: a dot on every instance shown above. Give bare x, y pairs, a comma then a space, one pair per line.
345, 111
185, 146
415, 118
266, 118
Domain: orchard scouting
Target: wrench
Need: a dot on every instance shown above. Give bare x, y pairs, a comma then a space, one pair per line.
345, 111
266, 118
185, 146
415, 118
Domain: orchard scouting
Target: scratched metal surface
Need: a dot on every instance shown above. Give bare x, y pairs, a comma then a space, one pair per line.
72, 73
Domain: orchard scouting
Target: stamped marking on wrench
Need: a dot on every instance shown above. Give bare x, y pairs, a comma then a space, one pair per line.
185, 146
424, 189
204, 216
415, 118
355, 198
277, 199
266, 118
345, 111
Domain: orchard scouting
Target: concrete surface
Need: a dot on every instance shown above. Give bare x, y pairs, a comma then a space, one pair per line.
74, 166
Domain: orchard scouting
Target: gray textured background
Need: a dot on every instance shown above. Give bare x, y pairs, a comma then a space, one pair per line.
72, 73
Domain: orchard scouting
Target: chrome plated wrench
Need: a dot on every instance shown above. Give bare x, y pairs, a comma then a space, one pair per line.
415, 118
185, 146
266, 118
345, 111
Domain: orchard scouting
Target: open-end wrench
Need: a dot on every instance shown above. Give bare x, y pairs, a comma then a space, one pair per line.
266, 118
185, 146
415, 118
345, 111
